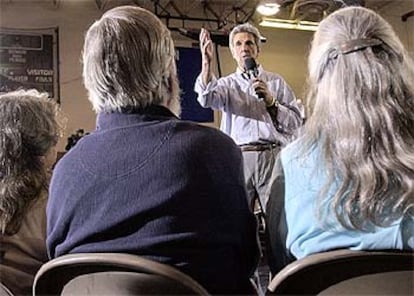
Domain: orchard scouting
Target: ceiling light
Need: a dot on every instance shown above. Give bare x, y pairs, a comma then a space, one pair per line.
268, 8
289, 24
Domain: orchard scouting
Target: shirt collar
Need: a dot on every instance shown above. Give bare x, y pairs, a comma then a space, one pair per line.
240, 70
245, 75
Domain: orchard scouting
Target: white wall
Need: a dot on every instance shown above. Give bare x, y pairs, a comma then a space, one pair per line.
285, 52
405, 30
73, 18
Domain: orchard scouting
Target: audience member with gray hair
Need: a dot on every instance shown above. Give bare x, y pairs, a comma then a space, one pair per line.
348, 180
30, 126
145, 182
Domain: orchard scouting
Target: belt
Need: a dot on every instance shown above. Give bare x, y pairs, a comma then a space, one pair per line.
258, 147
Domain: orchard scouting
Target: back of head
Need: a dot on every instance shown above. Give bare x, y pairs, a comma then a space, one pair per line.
356, 58
29, 127
245, 28
361, 100
129, 61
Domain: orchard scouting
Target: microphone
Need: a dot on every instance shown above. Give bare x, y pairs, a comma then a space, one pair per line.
251, 67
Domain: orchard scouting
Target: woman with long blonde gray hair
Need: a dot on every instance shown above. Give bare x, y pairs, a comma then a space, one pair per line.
349, 178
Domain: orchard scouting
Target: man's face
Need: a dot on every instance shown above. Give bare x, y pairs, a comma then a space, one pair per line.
244, 46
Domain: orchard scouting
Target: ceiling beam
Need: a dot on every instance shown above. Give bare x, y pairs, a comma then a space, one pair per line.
405, 16
100, 4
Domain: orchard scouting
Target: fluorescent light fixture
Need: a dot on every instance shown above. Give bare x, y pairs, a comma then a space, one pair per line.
289, 24
268, 8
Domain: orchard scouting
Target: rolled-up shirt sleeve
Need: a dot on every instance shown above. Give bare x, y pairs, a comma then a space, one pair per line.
205, 97
286, 114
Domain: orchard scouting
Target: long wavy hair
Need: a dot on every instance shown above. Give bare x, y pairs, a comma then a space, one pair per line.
361, 103
29, 126
129, 62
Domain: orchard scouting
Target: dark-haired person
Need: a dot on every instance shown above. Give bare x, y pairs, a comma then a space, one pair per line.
30, 126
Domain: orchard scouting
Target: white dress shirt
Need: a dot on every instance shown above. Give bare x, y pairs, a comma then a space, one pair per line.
245, 117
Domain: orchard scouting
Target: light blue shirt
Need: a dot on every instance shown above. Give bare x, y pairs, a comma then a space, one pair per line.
245, 117
304, 178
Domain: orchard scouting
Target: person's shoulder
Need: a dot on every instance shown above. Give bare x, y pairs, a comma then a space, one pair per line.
291, 151
272, 75
199, 128
203, 133
71, 158
230, 77
291, 147
298, 153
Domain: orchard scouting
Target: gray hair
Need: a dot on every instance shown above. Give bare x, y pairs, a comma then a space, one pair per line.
245, 28
129, 61
361, 100
30, 124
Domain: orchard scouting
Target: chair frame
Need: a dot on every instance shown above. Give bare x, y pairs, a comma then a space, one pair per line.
4, 291
55, 274
317, 272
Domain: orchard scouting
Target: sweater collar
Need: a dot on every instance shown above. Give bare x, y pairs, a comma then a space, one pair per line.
133, 115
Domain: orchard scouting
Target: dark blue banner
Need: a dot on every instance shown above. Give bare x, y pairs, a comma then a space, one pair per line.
189, 66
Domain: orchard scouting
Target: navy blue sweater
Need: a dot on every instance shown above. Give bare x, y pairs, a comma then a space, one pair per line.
152, 185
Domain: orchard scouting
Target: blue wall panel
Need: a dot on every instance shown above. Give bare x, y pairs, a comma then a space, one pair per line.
189, 66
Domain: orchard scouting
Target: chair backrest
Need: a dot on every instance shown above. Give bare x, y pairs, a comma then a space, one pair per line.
347, 272
111, 273
4, 291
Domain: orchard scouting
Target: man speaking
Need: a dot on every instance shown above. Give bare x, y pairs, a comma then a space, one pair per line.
260, 111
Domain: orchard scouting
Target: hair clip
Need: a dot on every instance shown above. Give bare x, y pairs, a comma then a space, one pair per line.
358, 44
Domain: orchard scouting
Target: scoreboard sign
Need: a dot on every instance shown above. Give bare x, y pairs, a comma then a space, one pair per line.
28, 59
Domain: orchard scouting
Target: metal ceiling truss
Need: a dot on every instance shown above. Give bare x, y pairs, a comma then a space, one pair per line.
225, 14
214, 15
